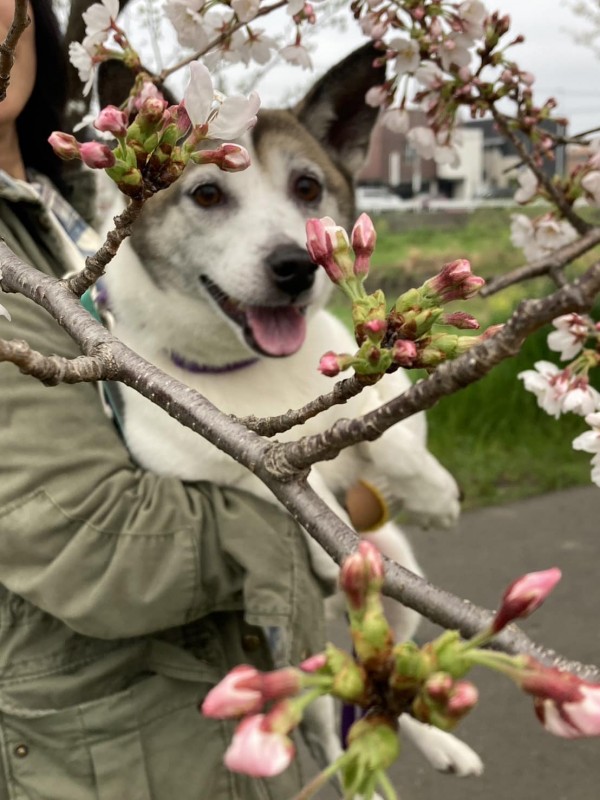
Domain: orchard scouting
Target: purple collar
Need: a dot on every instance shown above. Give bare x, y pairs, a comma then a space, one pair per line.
207, 369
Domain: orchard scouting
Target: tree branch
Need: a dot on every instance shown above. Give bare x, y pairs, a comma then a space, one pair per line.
7, 49
52, 370
555, 195
342, 392
546, 265
95, 265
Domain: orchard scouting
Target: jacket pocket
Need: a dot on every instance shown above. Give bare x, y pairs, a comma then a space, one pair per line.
120, 768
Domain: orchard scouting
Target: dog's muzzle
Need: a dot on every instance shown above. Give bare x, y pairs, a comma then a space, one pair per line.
291, 270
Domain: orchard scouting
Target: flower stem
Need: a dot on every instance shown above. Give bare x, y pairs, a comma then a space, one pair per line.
386, 786
321, 779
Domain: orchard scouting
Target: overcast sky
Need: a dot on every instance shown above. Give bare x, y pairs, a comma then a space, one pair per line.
562, 68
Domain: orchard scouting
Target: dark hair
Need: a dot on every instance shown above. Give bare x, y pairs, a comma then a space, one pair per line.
44, 111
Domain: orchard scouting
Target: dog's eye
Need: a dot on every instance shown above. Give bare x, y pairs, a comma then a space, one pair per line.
307, 189
207, 195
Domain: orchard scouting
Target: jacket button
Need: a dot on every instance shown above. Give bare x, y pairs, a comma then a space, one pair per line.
250, 642
21, 751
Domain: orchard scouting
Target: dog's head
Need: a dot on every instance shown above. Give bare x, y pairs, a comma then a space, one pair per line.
232, 246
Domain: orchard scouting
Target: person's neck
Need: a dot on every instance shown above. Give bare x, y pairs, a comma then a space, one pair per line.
11, 160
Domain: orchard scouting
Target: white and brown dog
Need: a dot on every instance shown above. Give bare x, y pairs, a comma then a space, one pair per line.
215, 287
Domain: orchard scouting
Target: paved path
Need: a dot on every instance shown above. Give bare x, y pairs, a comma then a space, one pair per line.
488, 550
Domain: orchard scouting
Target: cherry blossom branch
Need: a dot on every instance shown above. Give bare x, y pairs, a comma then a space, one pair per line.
342, 392
554, 193
438, 605
95, 265
551, 263
51, 370
7, 49
164, 74
287, 459
194, 411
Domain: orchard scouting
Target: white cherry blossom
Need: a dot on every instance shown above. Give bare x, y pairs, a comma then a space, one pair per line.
581, 399
454, 51
423, 140
396, 120
296, 54
591, 184
226, 117
99, 17
590, 440
472, 13
81, 55
570, 335
528, 186
257, 47
548, 384
246, 10
376, 96
429, 75
551, 233
407, 55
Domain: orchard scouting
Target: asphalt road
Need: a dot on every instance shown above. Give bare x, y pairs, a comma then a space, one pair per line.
486, 552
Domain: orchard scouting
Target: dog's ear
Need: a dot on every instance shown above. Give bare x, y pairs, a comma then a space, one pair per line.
335, 111
115, 81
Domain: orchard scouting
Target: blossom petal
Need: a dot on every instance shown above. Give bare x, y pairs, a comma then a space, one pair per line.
235, 117
199, 94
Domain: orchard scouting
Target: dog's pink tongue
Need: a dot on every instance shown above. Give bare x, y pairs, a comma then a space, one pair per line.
277, 331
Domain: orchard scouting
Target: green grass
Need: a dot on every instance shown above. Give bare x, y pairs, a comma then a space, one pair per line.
492, 436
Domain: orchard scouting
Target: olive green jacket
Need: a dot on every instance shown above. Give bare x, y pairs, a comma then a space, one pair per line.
124, 595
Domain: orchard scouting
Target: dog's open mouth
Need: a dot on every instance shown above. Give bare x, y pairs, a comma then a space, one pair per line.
274, 331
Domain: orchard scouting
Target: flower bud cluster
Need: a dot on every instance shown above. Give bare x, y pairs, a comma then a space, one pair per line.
414, 333
156, 140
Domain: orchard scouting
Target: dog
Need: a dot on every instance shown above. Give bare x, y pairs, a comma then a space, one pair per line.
216, 288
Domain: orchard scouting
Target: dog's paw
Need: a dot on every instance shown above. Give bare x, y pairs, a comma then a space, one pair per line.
444, 751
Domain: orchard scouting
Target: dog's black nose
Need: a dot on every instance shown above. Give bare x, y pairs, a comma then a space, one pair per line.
291, 269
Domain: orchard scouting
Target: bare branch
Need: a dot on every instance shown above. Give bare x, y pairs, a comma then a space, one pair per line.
287, 459
547, 265
556, 196
52, 370
7, 49
95, 265
342, 392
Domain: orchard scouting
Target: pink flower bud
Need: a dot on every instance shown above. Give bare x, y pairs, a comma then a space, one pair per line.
461, 320
228, 157
328, 245
112, 120
454, 282
281, 683
97, 155
258, 752
463, 698
362, 573
314, 663
565, 705
329, 364
240, 692
152, 108
64, 145
524, 595
363, 244
404, 352
375, 327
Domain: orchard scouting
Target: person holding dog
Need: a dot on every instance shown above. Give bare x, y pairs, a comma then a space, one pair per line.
124, 595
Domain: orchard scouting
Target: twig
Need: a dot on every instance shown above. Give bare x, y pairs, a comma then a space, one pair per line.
95, 265
52, 370
342, 392
556, 260
7, 49
555, 195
